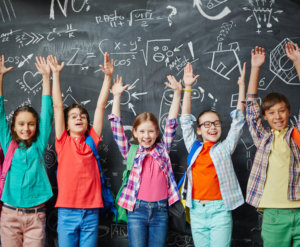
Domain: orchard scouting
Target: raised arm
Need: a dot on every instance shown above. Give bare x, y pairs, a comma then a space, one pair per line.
56, 95
44, 68
117, 90
293, 55
3, 71
188, 79
108, 71
241, 83
257, 60
177, 88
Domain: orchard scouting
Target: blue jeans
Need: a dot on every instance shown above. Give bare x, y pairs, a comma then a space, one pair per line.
147, 225
211, 224
78, 227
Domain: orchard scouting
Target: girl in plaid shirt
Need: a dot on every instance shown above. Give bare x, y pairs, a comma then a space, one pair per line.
151, 186
212, 186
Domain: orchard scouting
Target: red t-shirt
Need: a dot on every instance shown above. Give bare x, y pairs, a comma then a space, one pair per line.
78, 176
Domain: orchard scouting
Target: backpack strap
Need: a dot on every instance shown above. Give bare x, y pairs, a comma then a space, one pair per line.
8, 158
89, 141
194, 148
131, 155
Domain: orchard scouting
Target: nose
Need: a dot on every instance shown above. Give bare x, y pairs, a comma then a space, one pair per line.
147, 134
277, 115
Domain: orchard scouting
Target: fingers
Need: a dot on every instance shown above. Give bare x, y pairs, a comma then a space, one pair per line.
9, 69
126, 86
62, 65
297, 48
168, 85
244, 70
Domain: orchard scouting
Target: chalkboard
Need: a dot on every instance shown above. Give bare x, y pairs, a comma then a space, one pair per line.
149, 40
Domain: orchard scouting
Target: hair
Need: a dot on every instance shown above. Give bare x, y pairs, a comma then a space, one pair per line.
141, 118
204, 112
15, 137
82, 111
272, 99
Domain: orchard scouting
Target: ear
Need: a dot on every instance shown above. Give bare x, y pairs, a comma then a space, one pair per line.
157, 133
289, 113
199, 132
134, 133
265, 118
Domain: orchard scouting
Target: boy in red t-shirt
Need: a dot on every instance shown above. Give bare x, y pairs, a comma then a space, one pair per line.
78, 179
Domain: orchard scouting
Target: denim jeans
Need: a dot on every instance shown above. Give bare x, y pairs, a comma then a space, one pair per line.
78, 227
147, 225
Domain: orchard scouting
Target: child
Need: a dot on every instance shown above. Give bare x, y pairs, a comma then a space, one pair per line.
79, 187
274, 184
27, 187
151, 185
213, 189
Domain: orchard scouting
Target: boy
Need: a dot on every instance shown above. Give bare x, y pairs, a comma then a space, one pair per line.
274, 182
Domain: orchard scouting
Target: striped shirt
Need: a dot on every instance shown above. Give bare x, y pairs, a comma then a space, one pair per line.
263, 139
220, 154
159, 151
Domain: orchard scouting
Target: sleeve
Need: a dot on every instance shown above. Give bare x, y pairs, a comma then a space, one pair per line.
188, 132
95, 137
119, 134
255, 126
169, 133
59, 143
298, 123
45, 120
5, 136
235, 132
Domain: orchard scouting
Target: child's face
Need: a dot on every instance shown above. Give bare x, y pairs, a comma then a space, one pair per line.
146, 134
278, 116
213, 133
77, 123
25, 125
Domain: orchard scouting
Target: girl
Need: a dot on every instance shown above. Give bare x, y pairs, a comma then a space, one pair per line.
79, 187
27, 186
151, 185
213, 189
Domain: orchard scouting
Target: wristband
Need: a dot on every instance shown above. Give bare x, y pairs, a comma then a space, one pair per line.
188, 90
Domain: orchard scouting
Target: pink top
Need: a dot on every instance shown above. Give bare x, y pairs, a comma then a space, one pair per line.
154, 183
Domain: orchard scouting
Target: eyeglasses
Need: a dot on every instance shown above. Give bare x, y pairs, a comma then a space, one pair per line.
208, 124
73, 116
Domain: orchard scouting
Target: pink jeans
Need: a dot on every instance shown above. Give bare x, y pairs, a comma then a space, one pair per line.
20, 229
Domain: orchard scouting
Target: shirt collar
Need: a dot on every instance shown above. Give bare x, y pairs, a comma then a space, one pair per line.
280, 132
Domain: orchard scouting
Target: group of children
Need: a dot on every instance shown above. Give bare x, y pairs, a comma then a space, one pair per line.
213, 190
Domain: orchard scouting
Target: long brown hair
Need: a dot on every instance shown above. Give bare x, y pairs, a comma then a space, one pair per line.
141, 118
15, 137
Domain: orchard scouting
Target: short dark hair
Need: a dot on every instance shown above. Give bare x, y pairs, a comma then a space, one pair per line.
15, 137
204, 112
82, 111
272, 99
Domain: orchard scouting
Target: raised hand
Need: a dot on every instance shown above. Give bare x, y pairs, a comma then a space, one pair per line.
118, 88
292, 54
258, 57
176, 86
55, 67
108, 68
3, 69
241, 80
42, 66
188, 77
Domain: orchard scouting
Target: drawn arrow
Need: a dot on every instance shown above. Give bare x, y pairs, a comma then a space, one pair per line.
202, 91
25, 60
130, 106
276, 19
167, 61
249, 18
109, 103
135, 94
85, 102
177, 48
278, 11
41, 37
132, 85
245, 8
32, 38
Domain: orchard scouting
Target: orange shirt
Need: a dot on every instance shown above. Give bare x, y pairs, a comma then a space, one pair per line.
78, 176
296, 136
205, 180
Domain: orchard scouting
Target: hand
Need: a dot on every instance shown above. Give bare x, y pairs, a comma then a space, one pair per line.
42, 66
108, 68
3, 69
55, 67
117, 88
258, 57
188, 78
292, 54
176, 86
241, 80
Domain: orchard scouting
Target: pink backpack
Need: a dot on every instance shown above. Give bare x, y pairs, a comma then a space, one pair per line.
5, 165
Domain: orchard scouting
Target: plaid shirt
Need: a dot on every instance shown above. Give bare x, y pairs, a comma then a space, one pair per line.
263, 139
220, 154
159, 152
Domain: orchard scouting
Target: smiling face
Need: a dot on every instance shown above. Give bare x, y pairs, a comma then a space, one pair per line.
278, 116
146, 134
77, 123
211, 134
25, 125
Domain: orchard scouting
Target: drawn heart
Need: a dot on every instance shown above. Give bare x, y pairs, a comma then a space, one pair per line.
33, 81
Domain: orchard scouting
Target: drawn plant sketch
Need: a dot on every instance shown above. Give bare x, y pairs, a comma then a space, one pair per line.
262, 14
210, 5
7, 9
50, 157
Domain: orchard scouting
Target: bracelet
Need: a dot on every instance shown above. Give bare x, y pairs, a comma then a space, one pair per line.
188, 90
